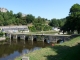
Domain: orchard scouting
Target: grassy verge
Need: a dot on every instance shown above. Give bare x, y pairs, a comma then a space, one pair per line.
69, 50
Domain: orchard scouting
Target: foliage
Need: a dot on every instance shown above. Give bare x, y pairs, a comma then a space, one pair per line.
32, 29
39, 27
30, 18
47, 28
39, 20
73, 20
39, 23
57, 22
1, 34
53, 23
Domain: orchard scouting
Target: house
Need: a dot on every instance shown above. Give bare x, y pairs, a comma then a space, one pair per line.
14, 29
3, 9
55, 28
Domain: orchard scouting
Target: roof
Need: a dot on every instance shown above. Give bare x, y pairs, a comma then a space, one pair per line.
21, 26
14, 28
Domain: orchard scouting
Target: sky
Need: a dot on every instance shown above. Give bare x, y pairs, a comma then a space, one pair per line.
44, 8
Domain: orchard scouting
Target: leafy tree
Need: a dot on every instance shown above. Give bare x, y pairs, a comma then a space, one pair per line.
30, 18
5, 16
11, 14
19, 15
73, 20
53, 23
32, 29
61, 22
1, 20
47, 28
39, 20
17, 21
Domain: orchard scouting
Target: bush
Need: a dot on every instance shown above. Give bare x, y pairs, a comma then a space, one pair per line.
1, 34
32, 29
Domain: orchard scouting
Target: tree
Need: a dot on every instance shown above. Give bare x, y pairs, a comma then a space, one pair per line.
19, 15
5, 16
61, 22
1, 20
73, 20
30, 18
11, 14
75, 14
53, 23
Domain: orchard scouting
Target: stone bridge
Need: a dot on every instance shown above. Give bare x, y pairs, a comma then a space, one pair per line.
38, 37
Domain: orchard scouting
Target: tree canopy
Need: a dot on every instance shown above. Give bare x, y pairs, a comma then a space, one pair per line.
73, 20
38, 23
57, 22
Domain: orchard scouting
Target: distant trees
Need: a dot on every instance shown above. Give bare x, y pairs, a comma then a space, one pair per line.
53, 23
57, 22
73, 20
69, 24
8, 18
40, 24
30, 18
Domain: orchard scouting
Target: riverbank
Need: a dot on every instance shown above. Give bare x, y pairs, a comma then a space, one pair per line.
66, 51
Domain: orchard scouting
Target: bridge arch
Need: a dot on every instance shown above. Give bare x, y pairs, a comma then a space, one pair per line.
45, 40
60, 41
26, 38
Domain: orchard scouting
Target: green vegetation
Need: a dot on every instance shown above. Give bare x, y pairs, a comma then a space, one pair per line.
57, 22
72, 23
66, 51
40, 27
1, 34
68, 24
38, 24
44, 32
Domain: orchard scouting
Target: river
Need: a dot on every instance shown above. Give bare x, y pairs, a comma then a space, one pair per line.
12, 49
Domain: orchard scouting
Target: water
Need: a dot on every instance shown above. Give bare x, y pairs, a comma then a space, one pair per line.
14, 49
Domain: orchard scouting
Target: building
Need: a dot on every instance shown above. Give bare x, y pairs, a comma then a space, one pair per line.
14, 29
56, 29
3, 10
23, 15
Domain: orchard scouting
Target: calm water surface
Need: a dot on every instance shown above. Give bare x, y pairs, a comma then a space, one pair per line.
14, 49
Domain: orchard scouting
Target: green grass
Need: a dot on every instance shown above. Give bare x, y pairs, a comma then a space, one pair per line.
44, 32
69, 50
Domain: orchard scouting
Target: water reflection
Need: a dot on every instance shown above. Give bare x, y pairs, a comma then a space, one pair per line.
12, 49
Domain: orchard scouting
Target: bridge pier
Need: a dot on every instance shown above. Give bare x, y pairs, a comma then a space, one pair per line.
43, 38
15, 37
10, 39
10, 36
31, 37
22, 37
56, 39
50, 38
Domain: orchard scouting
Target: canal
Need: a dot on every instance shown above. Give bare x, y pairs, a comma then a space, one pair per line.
10, 49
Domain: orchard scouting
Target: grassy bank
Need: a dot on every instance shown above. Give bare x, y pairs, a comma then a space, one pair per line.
44, 32
69, 50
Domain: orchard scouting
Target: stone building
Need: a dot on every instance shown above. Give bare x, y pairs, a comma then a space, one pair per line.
14, 29
3, 9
